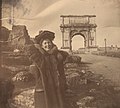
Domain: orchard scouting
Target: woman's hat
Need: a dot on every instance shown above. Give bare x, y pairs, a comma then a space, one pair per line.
44, 35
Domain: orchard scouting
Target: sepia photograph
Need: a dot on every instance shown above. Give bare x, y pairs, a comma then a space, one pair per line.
59, 53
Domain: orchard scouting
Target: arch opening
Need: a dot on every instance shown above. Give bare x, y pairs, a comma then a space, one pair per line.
78, 42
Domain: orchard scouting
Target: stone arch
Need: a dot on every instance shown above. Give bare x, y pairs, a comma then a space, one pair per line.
76, 24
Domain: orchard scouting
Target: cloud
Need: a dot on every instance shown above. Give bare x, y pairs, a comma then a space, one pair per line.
55, 7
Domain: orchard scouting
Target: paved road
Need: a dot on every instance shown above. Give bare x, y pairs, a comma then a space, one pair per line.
108, 66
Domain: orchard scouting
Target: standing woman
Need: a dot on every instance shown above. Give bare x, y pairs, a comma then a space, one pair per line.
48, 68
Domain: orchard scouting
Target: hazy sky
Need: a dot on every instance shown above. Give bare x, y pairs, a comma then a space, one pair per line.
45, 14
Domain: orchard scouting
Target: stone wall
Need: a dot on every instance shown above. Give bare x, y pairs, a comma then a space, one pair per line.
19, 36
4, 33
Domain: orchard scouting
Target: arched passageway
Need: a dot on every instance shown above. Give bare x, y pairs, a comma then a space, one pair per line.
77, 42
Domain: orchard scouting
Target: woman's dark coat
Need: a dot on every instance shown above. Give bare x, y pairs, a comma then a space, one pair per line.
50, 76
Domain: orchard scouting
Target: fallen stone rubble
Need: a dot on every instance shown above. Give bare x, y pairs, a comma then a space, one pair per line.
23, 76
23, 100
85, 90
92, 90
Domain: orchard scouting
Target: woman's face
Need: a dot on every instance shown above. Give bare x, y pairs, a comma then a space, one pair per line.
47, 44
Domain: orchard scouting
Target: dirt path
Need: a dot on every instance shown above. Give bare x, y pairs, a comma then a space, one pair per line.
107, 66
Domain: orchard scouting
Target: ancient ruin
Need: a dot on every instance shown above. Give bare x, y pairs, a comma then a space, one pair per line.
83, 25
19, 36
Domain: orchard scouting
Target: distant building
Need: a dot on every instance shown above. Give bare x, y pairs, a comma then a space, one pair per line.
108, 48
